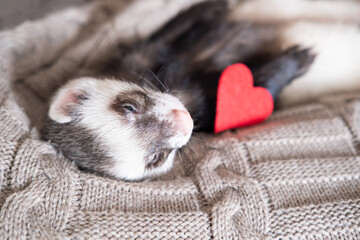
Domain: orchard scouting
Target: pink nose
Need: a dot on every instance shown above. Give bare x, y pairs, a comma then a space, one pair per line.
183, 121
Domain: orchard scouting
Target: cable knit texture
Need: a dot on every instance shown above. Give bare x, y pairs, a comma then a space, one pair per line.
297, 176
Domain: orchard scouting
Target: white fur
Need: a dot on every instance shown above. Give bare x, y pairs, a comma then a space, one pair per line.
117, 137
162, 111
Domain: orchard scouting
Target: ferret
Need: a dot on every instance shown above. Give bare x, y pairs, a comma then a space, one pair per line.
118, 128
130, 122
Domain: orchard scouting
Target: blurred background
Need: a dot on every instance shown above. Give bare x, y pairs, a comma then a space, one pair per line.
13, 12
329, 27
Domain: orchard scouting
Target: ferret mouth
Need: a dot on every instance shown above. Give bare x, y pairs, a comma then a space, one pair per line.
157, 159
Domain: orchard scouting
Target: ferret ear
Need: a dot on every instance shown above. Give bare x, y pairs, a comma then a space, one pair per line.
67, 100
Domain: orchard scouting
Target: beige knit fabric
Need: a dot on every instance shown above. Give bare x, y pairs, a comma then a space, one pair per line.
297, 176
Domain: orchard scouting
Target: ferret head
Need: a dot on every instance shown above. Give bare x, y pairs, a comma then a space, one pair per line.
117, 128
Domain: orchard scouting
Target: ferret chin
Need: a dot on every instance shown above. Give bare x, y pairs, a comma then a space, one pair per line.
117, 128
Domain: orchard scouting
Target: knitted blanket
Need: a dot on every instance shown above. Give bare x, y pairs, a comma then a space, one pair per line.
295, 176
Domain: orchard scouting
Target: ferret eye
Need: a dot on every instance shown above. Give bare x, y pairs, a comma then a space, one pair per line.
129, 108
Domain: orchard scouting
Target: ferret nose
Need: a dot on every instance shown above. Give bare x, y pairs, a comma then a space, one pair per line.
183, 121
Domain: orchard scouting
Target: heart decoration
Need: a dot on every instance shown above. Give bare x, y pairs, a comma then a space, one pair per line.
239, 103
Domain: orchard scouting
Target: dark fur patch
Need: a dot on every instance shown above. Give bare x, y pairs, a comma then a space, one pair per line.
138, 99
79, 145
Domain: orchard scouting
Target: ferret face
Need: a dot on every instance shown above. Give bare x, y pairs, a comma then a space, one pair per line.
118, 128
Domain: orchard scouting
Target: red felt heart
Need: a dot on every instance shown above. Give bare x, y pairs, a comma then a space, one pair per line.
239, 103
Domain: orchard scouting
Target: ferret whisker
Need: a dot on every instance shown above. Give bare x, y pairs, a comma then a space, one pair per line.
179, 94
165, 88
195, 162
146, 80
191, 151
179, 152
165, 83
191, 158
180, 157
165, 78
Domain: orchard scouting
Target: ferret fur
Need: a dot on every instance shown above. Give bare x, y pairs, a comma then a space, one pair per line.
185, 58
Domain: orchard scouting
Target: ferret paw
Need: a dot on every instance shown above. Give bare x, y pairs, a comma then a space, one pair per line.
303, 56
